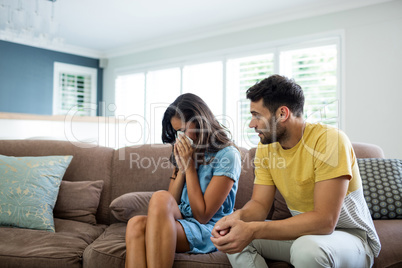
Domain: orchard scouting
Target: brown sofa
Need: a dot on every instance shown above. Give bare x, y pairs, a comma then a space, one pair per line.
135, 169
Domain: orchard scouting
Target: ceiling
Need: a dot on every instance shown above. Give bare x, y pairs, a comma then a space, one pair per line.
104, 27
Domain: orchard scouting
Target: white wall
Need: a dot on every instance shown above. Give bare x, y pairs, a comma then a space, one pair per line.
101, 131
372, 89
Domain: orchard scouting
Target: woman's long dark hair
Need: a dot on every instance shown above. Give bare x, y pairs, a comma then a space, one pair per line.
211, 135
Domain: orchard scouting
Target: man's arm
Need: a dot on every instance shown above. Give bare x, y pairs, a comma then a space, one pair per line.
260, 204
328, 199
256, 209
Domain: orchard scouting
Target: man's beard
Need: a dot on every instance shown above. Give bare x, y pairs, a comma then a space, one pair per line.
276, 133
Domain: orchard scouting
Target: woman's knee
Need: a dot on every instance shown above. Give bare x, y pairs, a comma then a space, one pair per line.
136, 227
160, 203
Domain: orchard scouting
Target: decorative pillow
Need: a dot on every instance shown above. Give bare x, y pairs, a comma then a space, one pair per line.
382, 186
28, 190
129, 205
78, 200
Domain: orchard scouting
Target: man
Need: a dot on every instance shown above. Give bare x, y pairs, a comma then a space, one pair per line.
315, 169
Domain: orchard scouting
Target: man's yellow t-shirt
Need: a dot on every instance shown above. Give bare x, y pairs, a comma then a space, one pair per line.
323, 153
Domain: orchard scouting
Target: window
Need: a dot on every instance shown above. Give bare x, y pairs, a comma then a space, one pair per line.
74, 90
162, 89
242, 74
144, 97
315, 70
205, 80
223, 84
130, 88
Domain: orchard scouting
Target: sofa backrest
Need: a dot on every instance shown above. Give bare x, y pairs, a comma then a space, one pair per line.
366, 150
147, 168
141, 168
246, 181
88, 164
137, 168
279, 208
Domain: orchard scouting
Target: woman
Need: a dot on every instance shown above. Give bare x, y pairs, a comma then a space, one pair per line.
202, 188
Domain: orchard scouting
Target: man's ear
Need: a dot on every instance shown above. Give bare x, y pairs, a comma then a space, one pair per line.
282, 114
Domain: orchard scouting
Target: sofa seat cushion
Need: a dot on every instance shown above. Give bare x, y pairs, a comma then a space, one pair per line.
36, 248
109, 250
390, 234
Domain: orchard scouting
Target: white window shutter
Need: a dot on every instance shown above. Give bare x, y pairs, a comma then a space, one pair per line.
74, 90
130, 95
313, 65
315, 70
246, 72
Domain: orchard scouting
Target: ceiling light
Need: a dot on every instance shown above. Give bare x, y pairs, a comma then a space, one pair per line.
27, 21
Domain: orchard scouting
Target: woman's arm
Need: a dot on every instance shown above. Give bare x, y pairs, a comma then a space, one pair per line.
176, 184
205, 206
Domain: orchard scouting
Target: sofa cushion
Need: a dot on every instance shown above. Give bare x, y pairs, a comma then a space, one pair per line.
246, 181
88, 164
129, 205
141, 168
28, 190
382, 186
78, 200
37, 249
109, 250
281, 210
390, 234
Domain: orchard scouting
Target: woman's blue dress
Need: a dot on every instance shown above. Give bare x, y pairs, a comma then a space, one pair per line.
227, 162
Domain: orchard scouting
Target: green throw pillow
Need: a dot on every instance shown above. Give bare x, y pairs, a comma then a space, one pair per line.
28, 190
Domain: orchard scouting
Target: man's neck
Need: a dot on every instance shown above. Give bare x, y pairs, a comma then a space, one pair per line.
295, 130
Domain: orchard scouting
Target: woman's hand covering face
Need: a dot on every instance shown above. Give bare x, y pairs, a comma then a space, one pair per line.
183, 152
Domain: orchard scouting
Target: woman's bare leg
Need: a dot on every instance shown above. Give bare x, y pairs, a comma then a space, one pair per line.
135, 242
164, 235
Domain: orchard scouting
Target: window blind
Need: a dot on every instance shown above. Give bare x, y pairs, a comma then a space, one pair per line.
315, 70
247, 72
130, 95
74, 90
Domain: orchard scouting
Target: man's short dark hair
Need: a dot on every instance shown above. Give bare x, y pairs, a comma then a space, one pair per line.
277, 91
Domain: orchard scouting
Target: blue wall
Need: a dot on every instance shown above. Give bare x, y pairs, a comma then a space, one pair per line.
26, 77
